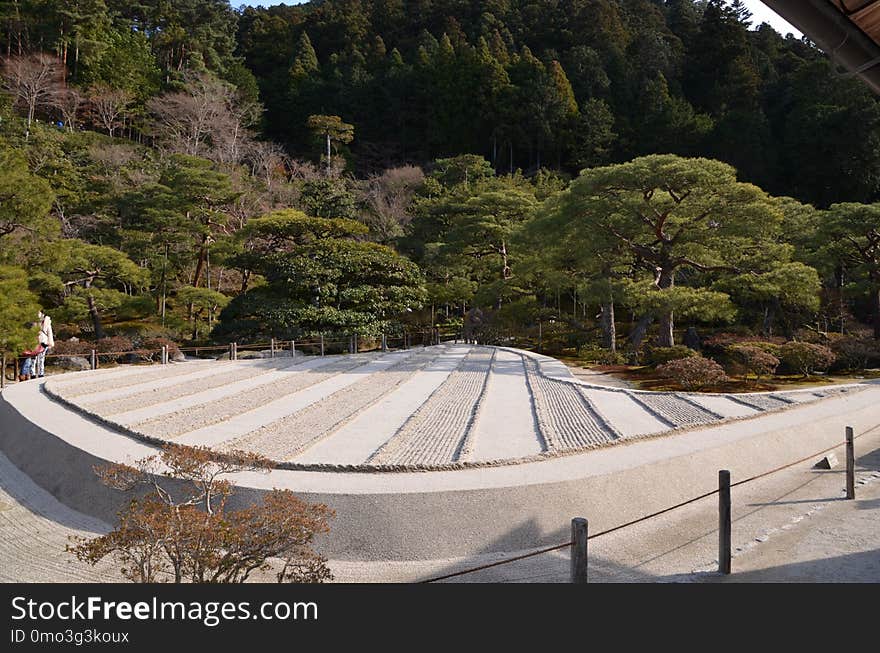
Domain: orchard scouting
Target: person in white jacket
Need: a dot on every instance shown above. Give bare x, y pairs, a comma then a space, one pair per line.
45, 338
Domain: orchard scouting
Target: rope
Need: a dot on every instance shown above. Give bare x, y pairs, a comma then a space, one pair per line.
645, 518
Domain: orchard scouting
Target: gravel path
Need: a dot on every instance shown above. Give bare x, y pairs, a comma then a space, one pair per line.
35, 528
437, 431
566, 416
175, 388
202, 415
288, 437
675, 410
84, 385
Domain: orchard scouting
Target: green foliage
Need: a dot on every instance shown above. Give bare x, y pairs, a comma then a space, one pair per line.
25, 199
662, 355
18, 311
320, 278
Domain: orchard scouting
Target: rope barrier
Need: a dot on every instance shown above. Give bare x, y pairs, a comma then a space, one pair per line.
646, 517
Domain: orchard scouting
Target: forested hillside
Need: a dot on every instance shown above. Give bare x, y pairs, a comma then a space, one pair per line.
609, 174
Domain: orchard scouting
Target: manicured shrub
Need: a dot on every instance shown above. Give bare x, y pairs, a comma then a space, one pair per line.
805, 357
661, 355
750, 359
693, 373
72, 348
855, 353
600, 356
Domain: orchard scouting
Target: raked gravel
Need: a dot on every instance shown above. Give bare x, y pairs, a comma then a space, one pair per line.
70, 388
762, 402
675, 410
288, 437
566, 417
184, 388
202, 415
436, 432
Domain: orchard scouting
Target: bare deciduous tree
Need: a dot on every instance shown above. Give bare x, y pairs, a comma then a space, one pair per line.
108, 106
69, 101
33, 81
388, 198
266, 159
205, 119
193, 535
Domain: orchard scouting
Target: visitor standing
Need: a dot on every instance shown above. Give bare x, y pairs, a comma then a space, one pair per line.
47, 340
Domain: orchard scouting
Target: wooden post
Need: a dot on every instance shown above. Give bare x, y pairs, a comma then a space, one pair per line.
850, 464
162, 356
384, 343
15, 369
230, 352
3, 374
540, 336
322, 344
272, 348
405, 342
579, 550
235, 351
293, 349
724, 532
94, 360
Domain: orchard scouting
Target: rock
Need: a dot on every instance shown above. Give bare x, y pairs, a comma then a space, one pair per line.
74, 363
692, 339
246, 355
828, 462
178, 357
135, 357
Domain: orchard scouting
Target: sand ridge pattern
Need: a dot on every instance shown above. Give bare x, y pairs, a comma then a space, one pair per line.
675, 410
762, 402
196, 417
290, 436
82, 385
566, 417
145, 398
437, 431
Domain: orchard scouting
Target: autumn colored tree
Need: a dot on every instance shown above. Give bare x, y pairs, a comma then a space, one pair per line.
184, 530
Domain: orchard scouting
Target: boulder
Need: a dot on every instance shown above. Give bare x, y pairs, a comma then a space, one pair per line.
72, 363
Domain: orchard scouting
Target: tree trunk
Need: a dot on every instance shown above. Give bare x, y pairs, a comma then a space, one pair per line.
666, 336
639, 331
877, 313
609, 331
96, 318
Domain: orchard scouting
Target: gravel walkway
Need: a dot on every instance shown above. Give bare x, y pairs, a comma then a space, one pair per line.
288, 437
437, 431
202, 415
35, 528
